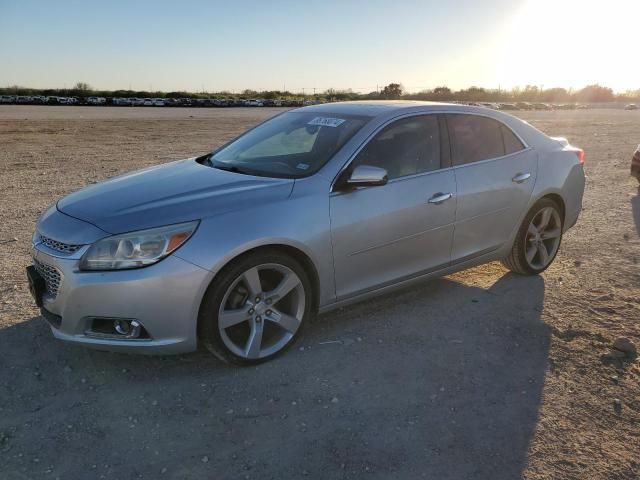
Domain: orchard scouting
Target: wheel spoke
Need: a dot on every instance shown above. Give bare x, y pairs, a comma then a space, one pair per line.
247, 306
545, 217
532, 230
288, 283
254, 342
549, 234
543, 254
288, 322
252, 279
229, 318
531, 252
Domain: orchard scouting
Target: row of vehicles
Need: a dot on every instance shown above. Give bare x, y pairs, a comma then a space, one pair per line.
530, 106
51, 100
153, 102
250, 102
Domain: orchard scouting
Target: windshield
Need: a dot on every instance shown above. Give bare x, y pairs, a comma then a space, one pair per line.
291, 145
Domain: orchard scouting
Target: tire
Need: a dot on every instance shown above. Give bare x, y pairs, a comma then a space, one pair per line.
276, 321
519, 259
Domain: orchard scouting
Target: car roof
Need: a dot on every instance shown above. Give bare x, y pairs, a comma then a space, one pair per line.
383, 110
372, 108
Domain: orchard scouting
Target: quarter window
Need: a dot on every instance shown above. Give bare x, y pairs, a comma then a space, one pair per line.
475, 138
406, 147
511, 143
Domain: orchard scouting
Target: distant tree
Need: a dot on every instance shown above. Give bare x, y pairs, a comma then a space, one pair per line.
472, 94
555, 95
82, 87
442, 92
530, 93
595, 93
393, 90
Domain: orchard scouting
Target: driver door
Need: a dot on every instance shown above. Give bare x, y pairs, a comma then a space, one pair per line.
385, 234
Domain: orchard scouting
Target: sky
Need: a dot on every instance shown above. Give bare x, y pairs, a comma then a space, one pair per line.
200, 45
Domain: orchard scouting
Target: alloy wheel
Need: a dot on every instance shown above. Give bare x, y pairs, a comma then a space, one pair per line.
543, 238
261, 311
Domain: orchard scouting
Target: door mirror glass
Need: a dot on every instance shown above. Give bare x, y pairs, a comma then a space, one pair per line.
367, 176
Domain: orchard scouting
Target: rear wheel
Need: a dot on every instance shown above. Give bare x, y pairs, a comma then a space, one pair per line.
255, 308
538, 239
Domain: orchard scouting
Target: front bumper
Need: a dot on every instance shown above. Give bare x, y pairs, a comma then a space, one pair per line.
164, 298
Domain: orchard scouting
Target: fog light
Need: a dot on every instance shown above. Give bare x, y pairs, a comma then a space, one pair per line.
127, 328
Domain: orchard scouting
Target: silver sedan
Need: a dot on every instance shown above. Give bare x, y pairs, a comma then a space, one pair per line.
311, 210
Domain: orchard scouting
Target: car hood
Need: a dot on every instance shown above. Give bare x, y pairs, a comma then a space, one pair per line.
170, 193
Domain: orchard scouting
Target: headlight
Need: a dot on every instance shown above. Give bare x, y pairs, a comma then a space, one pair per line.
136, 249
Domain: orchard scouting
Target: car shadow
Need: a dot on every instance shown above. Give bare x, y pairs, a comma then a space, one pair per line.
635, 209
442, 380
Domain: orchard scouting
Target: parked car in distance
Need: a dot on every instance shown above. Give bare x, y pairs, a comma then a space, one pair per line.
524, 106
635, 164
309, 211
7, 99
96, 100
121, 101
631, 106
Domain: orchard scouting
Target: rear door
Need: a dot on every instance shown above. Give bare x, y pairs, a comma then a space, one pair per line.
384, 234
495, 173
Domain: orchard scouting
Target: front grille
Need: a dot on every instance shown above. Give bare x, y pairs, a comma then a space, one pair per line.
51, 275
59, 246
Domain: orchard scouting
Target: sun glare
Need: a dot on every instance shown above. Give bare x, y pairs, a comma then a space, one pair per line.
572, 43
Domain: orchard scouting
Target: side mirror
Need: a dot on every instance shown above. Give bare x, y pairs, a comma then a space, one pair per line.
367, 176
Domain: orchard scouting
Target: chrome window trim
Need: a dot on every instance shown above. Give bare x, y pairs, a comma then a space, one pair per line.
401, 116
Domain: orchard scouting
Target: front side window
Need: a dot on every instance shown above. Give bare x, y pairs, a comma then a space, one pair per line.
291, 145
474, 138
406, 147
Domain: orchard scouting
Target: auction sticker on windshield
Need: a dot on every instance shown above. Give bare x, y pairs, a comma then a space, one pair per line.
327, 121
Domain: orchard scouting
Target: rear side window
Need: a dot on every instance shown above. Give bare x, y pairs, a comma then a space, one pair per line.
406, 147
474, 138
511, 143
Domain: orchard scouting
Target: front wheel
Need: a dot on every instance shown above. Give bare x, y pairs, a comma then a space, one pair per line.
538, 239
255, 308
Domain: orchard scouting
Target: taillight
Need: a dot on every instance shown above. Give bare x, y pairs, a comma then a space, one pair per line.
580, 154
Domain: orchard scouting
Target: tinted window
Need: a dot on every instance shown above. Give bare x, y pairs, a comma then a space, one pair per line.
406, 147
511, 142
474, 138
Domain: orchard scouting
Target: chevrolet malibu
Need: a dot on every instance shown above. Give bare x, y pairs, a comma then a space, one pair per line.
313, 209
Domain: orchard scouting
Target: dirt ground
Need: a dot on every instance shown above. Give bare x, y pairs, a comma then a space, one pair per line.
479, 375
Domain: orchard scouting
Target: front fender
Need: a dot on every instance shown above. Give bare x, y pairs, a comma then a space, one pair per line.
302, 224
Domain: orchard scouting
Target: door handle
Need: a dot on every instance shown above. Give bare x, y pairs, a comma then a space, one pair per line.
438, 198
521, 178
